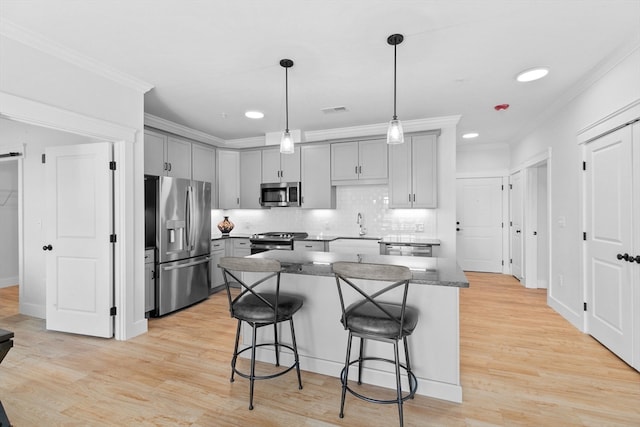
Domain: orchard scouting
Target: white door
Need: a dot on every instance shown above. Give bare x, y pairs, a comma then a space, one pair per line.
79, 264
609, 236
479, 228
516, 224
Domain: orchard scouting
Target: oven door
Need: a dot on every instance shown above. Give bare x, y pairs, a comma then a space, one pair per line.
256, 248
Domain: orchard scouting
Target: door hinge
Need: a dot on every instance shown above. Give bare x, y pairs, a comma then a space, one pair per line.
510, 223
502, 224
502, 187
584, 235
113, 238
584, 166
44, 158
112, 165
510, 260
502, 262
113, 311
585, 306
510, 186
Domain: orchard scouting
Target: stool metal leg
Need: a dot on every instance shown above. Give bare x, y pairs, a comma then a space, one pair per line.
252, 377
406, 358
345, 376
275, 334
398, 384
295, 353
360, 361
235, 352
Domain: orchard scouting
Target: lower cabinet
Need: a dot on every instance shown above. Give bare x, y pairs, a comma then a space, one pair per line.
240, 247
305, 245
218, 250
149, 280
355, 246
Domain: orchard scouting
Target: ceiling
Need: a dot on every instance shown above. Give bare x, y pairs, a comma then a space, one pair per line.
211, 60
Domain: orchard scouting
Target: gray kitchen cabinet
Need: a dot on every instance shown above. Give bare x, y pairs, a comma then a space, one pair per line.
239, 246
278, 167
218, 250
317, 191
250, 179
228, 179
166, 155
149, 280
355, 246
413, 173
311, 245
359, 162
203, 163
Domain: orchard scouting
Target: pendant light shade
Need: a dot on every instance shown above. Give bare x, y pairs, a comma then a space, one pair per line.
286, 143
395, 135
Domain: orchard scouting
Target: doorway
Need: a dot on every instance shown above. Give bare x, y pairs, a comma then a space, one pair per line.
9, 214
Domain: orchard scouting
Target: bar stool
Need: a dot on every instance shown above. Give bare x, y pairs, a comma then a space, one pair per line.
260, 309
369, 319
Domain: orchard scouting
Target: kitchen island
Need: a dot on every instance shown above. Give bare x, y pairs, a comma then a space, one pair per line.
321, 339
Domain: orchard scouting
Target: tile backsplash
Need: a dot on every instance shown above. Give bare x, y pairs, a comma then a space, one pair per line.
372, 201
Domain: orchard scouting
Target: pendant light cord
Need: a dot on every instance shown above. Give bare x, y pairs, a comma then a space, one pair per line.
286, 97
395, 117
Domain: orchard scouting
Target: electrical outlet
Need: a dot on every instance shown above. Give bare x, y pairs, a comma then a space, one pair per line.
420, 227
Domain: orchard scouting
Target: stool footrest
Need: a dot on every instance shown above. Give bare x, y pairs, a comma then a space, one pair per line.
284, 370
413, 382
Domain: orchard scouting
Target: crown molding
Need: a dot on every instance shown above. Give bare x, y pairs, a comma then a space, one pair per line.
251, 142
169, 126
39, 114
470, 146
409, 126
22, 35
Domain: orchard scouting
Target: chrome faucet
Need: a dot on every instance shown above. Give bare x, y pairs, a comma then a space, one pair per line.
360, 222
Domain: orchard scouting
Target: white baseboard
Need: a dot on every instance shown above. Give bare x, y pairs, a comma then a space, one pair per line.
5, 282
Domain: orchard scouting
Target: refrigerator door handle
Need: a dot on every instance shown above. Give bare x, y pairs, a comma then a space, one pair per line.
189, 264
193, 226
188, 218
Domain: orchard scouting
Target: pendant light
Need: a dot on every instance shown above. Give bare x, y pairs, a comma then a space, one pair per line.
286, 143
395, 135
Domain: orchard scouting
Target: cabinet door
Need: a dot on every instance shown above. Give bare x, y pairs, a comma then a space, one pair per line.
290, 167
400, 191
241, 247
250, 178
317, 192
154, 163
179, 158
217, 252
228, 179
373, 159
271, 165
344, 161
203, 162
424, 171
302, 245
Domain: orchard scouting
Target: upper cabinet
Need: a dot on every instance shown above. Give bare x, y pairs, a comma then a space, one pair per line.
228, 179
203, 162
250, 179
166, 155
317, 192
413, 173
359, 162
278, 167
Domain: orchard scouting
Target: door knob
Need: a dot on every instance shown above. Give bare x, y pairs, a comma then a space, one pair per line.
47, 247
624, 257
636, 259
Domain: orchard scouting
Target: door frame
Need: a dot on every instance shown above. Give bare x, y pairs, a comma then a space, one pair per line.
530, 249
129, 222
627, 115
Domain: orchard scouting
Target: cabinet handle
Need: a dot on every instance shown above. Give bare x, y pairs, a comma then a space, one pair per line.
165, 166
414, 197
238, 201
169, 167
409, 197
356, 170
360, 169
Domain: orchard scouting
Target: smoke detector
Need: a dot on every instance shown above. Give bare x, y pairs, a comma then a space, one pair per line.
331, 110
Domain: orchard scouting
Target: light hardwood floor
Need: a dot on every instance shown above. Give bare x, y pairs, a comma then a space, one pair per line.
521, 364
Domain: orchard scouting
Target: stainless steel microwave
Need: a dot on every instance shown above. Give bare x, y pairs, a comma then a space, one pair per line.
281, 194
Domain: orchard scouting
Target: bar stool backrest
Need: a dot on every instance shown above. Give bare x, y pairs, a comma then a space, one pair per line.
345, 272
232, 266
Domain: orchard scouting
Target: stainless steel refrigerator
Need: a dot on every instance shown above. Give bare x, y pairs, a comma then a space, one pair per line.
182, 239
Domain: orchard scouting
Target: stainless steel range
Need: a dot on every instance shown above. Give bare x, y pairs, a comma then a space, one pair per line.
274, 240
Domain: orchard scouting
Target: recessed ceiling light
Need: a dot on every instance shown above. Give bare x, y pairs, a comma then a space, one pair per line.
254, 114
470, 135
532, 74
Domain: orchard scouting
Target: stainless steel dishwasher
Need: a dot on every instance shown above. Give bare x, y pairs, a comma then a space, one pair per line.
406, 249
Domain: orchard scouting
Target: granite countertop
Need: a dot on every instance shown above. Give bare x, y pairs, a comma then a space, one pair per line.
235, 235
398, 239
425, 270
327, 238
408, 239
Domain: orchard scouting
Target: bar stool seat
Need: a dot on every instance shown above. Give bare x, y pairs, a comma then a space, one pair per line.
259, 309
370, 319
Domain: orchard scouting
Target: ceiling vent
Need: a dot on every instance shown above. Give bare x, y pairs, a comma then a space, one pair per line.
332, 110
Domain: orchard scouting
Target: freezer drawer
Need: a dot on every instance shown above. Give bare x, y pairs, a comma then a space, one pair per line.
182, 283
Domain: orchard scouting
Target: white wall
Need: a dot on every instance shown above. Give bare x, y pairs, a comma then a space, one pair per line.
42, 84
619, 87
482, 160
8, 220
